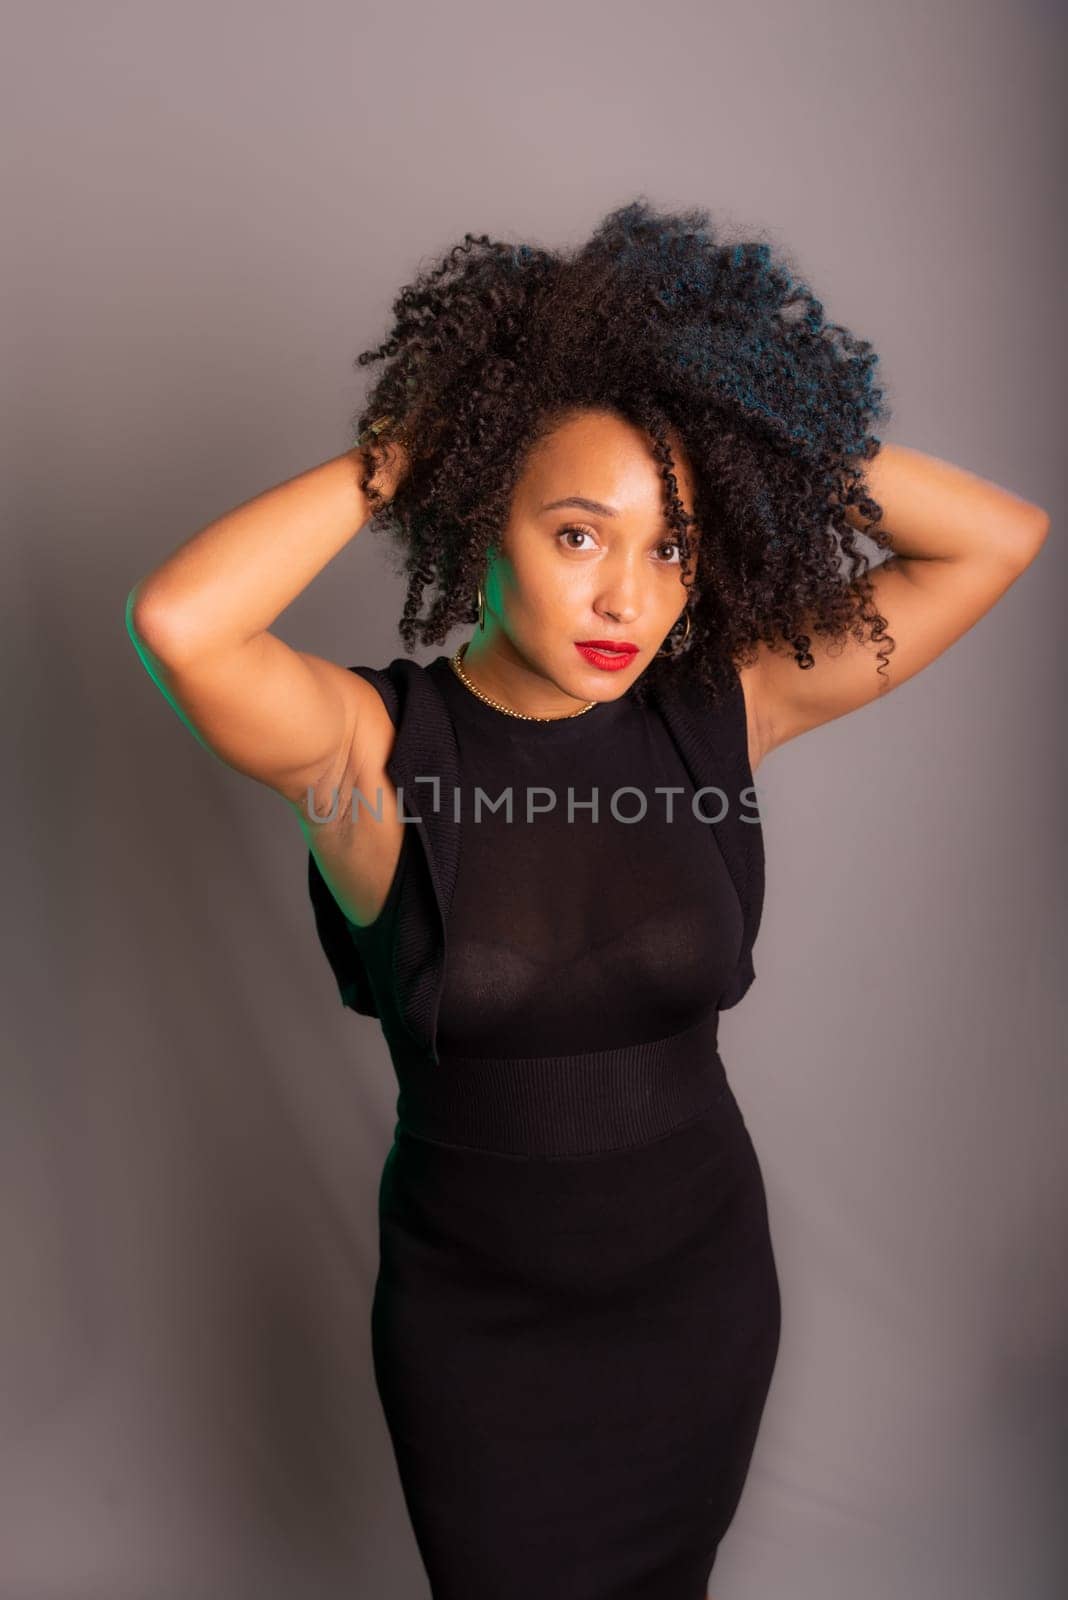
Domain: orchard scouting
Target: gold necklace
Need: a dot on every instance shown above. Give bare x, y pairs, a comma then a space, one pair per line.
496, 704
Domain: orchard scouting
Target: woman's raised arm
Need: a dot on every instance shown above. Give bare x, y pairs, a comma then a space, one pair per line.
200, 623
959, 542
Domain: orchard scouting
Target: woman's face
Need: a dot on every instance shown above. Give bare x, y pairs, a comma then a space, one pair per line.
607, 569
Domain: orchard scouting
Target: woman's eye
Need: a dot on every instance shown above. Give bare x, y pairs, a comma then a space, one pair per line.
671, 544
582, 532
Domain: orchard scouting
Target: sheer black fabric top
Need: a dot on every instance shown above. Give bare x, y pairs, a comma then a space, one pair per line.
576, 928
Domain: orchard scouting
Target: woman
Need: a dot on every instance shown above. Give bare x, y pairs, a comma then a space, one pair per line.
640, 468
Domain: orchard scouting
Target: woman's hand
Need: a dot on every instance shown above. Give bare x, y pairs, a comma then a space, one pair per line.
393, 463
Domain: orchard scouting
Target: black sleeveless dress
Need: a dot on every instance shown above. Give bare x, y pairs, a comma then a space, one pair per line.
576, 1316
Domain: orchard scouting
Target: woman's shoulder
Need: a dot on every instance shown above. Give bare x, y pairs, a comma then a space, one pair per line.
406, 688
409, 731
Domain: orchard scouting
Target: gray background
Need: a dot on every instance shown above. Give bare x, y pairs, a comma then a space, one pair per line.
207, 211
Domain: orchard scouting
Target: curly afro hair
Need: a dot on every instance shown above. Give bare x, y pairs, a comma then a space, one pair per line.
657, 320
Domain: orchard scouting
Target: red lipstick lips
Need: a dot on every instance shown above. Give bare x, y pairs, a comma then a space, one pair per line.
607, 654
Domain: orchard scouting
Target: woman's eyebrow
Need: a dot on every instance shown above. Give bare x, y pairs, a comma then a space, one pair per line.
596, 508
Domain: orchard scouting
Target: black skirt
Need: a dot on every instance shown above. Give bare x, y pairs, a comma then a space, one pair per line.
573, 1355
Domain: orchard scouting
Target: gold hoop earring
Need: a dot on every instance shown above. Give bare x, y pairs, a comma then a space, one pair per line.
679, 646
481, 610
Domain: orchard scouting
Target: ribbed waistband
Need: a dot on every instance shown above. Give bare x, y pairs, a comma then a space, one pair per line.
593, 1101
